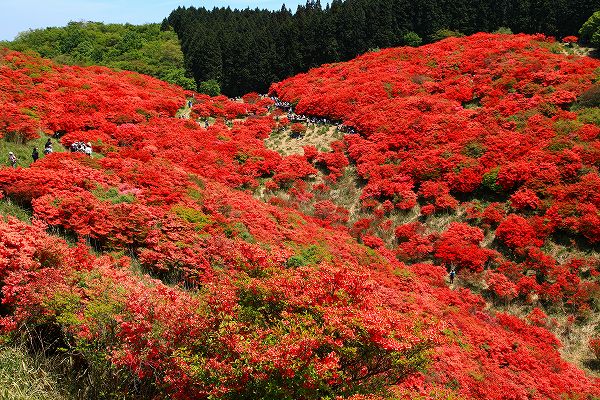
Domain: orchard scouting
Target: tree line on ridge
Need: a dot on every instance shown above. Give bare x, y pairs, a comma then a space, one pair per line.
246, 50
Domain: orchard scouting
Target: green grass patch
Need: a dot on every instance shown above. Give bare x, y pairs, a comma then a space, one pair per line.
589, 115
193, 216
309, 256
474, 149
10, 208
113, 195
23, 151
23, 378
240, 230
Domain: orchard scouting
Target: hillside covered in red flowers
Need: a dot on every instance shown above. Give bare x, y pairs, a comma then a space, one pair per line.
172, 278
499, 134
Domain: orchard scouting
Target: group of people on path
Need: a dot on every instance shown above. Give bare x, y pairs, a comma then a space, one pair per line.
35, 154
293, 117
80, 147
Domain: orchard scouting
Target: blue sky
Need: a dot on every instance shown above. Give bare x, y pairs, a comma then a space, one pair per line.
20, 15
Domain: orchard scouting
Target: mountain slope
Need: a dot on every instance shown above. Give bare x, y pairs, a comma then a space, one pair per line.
172, 279
488, 129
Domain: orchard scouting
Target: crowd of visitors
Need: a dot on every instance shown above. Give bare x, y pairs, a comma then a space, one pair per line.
309, 119
77, 147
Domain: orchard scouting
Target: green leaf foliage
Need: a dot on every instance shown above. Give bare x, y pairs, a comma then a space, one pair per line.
142, 48
590, 31
210, 87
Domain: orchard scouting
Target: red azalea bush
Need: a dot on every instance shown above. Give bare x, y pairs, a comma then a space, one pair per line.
538, 317
298, 128
46, 281
516, 232
460, 246
330, 213
525, 199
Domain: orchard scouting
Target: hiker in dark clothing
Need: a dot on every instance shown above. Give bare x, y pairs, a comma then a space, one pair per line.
12, 159
452, 275
48, 147
35, 155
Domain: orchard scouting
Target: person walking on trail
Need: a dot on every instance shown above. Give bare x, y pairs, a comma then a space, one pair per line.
12, 159
452, 275
48, 147
34, 154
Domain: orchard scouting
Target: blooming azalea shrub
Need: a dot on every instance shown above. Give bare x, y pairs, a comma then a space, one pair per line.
298, 128
525, 199
332, 164
538, 317
272, 322
373, 242
516, 233
46, 282
330, 213
501, 286
460, 246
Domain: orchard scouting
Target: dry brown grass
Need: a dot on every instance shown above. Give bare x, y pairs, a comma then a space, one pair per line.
320, 136
23, 377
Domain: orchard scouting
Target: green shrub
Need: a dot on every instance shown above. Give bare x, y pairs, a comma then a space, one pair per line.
490, 180
296, 261
141, 48
589, 115
412, 39
589, 98
178, 77
193, 216
309, 255
474, 149
442, 34
590, 31
240, 230
566, 127
210, 87
503, 30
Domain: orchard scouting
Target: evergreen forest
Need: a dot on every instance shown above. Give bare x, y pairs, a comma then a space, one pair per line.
247, 50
